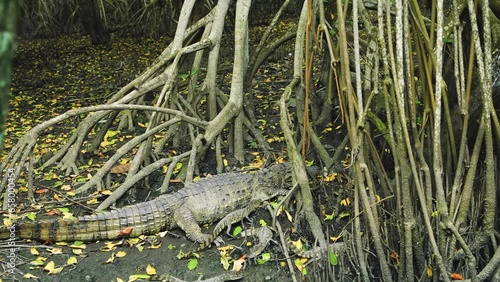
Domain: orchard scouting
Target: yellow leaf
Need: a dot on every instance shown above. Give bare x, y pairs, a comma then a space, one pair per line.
281, 160
39, 261
66, 187
106, 192
55, 251
153, 247
335, 238
50, 266
77, 252
297, 244
30, 276
112, 133
299, 263
119, 280
429, 271
92, 201
224, 260
67, 215
121, 254
328, 129
150, 270
110, 246
111, 259
56, 270
289, 216
331, 177
225, 248
133, 241
34, 251
72, 260
82, 246
345, 202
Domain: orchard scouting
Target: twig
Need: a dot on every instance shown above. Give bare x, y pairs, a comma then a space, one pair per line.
277, 225
69, 199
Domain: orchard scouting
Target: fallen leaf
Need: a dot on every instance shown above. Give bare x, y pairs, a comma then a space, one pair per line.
41, 191
55, 251
125, 231
238, 264
121, 254
50, 266
30, 276
121, 168
150, 270
192, 264
34, 251
72, 260
111, 259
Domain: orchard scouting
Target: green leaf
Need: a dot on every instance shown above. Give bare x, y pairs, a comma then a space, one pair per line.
263, 223
31, 216
192, 264
181, 254
78, 243
139, 276
329, 216
63, 209
344, 214
333, 258
170, 247
265, 257
237, 230
178, 167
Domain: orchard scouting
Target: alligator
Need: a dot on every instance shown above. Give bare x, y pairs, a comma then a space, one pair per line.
226, 196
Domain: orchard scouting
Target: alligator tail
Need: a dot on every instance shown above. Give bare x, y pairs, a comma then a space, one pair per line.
131, 221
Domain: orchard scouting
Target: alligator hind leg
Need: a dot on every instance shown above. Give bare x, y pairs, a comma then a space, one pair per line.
184, 218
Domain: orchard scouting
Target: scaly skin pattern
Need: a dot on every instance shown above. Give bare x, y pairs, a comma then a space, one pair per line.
205, 201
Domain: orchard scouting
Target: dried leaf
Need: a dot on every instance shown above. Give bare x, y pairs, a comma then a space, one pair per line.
150, 270
238, 264
72, 260
121, 254
34, 251
121, 168
111, 259
30, 276
125, 231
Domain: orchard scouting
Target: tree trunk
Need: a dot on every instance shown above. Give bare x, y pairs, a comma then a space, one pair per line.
92, 22
8, 16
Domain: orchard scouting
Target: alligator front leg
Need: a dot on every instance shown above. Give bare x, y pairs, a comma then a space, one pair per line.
184, 218
228, 220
